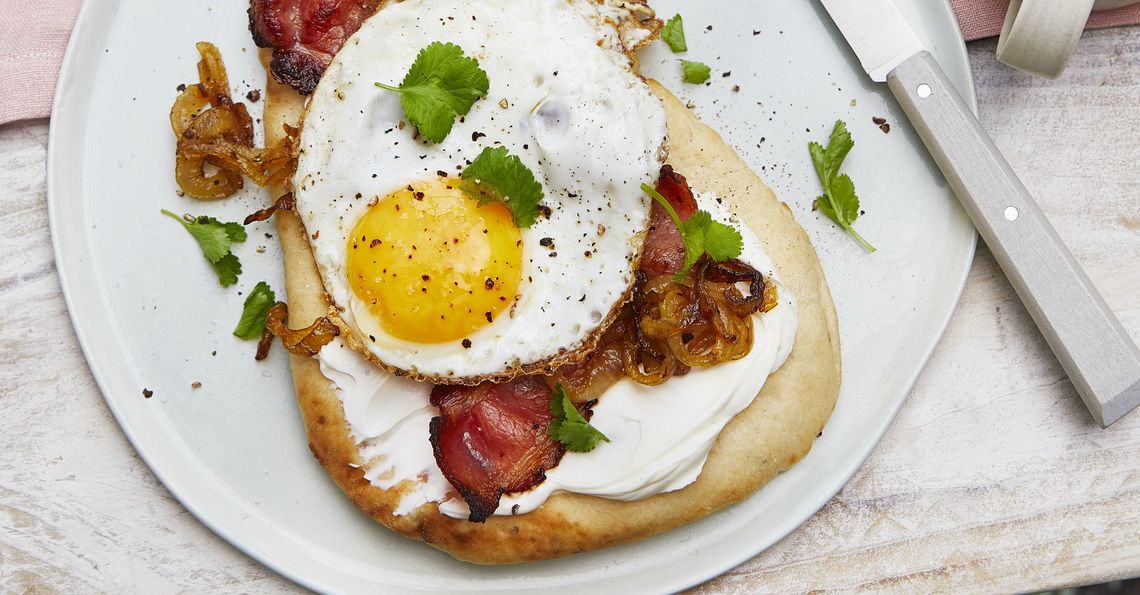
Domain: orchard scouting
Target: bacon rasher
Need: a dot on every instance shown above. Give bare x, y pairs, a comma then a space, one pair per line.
305, 35
492, 439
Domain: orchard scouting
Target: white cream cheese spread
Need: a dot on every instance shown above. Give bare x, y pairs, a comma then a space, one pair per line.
660, 436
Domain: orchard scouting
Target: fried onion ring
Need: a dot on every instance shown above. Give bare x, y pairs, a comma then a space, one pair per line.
221, 137
703, 320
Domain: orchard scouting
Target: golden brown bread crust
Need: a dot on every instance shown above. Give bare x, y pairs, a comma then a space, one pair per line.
773, 433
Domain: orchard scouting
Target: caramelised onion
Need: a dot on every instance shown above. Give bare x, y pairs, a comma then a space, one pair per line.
671, 326
703, 320
220, 138
285, 203
588, 379
305, 342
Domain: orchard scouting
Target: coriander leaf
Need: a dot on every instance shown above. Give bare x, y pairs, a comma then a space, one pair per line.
257, 304
695, 72
569, 427
673, 34
236, 231
839, 201
579, 437
214, 238
722, 242
844, 199
497, 176
692, 232
838, 146
701, 234
441, 85
228, 268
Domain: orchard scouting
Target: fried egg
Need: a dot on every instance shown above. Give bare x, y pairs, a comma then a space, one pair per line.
428, 282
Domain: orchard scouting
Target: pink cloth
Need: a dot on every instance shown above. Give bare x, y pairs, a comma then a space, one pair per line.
983, 18
34, 34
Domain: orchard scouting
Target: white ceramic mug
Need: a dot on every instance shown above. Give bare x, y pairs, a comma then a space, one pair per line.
1039, 36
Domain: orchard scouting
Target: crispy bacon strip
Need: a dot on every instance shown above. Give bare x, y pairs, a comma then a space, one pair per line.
305, 35
664, 251
492, 439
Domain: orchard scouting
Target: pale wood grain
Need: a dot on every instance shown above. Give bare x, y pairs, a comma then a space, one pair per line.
79, 511
992, 478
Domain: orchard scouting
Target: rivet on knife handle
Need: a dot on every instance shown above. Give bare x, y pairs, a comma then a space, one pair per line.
1101, 359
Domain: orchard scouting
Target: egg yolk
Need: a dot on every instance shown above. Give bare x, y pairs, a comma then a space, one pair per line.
432, 265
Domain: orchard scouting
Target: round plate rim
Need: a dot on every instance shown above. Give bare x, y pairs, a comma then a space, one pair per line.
178, 489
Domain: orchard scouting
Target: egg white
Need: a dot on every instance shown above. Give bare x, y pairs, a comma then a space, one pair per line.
562, 98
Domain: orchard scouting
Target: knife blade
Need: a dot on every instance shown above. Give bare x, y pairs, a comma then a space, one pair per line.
1092, 346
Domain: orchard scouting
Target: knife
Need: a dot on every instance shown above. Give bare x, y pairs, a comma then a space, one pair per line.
1094, 349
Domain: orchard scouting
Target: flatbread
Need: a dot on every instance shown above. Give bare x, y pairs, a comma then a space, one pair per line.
772, 434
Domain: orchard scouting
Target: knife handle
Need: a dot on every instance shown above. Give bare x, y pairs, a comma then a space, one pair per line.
1101, 359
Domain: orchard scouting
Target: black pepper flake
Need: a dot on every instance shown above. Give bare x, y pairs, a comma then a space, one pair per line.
418, 195
181, 88
726, 74
467, 343
489, 283
374, 243
755, 32
879, 121
886, 128
425, 277
372, 338
544, 211
489, 318
548, 242
553, 254
476, 136
253, 96
147, 393
441, 173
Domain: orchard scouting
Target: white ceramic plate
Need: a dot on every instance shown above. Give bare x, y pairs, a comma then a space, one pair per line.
149, 313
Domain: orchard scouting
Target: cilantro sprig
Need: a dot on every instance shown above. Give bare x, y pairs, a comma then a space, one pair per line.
257, 304
702, 235
695, 72
839, 201
497, 176
215, 239
673, 34
569, 427
441, 85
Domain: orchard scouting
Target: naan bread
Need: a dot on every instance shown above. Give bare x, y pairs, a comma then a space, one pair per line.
772, 434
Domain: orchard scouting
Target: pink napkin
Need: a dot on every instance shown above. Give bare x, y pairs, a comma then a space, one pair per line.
983, 18
34, 33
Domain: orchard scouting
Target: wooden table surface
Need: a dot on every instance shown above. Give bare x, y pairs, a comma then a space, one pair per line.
993, 477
